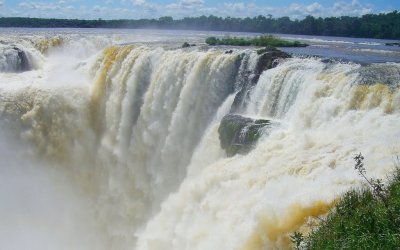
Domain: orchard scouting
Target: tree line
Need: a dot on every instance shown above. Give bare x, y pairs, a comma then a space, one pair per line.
385, 25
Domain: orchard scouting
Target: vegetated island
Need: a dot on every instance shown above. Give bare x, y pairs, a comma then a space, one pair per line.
384, 25
265, 40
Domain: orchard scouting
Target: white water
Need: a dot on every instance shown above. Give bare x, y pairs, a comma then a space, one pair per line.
292, 174
128, 136
40, 208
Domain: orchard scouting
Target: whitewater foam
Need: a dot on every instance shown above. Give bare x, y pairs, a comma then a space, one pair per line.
136, 129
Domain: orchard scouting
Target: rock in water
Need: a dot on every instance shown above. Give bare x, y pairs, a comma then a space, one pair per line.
13, 59
239, 134
267, 60
23, 60
393, 44
185, 45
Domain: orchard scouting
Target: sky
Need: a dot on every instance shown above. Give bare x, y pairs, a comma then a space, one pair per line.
136, 9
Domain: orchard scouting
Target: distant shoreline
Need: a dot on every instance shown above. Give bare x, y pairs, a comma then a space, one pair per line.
380, 26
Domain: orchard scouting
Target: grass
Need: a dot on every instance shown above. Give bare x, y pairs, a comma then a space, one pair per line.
366, 218
267, 40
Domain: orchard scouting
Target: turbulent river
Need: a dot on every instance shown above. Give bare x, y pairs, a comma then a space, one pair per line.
112, 142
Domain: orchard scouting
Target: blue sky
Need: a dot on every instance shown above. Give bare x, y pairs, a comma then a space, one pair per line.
134, 9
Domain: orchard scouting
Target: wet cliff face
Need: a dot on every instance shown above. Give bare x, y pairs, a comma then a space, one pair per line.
266, 60
239, 134
13, 59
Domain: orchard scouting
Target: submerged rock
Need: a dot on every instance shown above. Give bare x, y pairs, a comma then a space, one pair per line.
267, 60
239, 134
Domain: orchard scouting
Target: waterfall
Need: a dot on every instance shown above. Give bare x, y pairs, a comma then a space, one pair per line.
13, 59
328, 113
136, 128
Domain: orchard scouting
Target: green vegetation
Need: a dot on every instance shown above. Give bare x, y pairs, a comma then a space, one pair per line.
270, 41
372, 25
368, 218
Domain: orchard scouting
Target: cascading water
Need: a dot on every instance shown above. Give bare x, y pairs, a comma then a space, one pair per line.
135, 128
327, 115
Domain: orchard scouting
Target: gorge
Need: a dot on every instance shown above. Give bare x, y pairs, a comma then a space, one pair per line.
129, 134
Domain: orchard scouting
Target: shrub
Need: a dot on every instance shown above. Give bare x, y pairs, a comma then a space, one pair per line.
211, 40
365, 218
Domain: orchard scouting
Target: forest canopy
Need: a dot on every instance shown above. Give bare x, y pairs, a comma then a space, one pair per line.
369, 26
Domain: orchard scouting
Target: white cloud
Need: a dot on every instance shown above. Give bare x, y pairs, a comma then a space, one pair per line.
191, 2
172, 6
24, 5
183, 8
139, 2
121, 10
314, 8
299, 11
40, 6
187, 7
1, 3
353, 9
96, 8
296, 10
235, 6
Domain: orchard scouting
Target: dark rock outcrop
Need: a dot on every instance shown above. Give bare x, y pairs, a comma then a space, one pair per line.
267, 60
13, 59
187, 45
239, 134
393, 44
23, 60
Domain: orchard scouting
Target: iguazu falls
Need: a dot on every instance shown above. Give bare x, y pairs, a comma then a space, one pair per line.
124, 139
